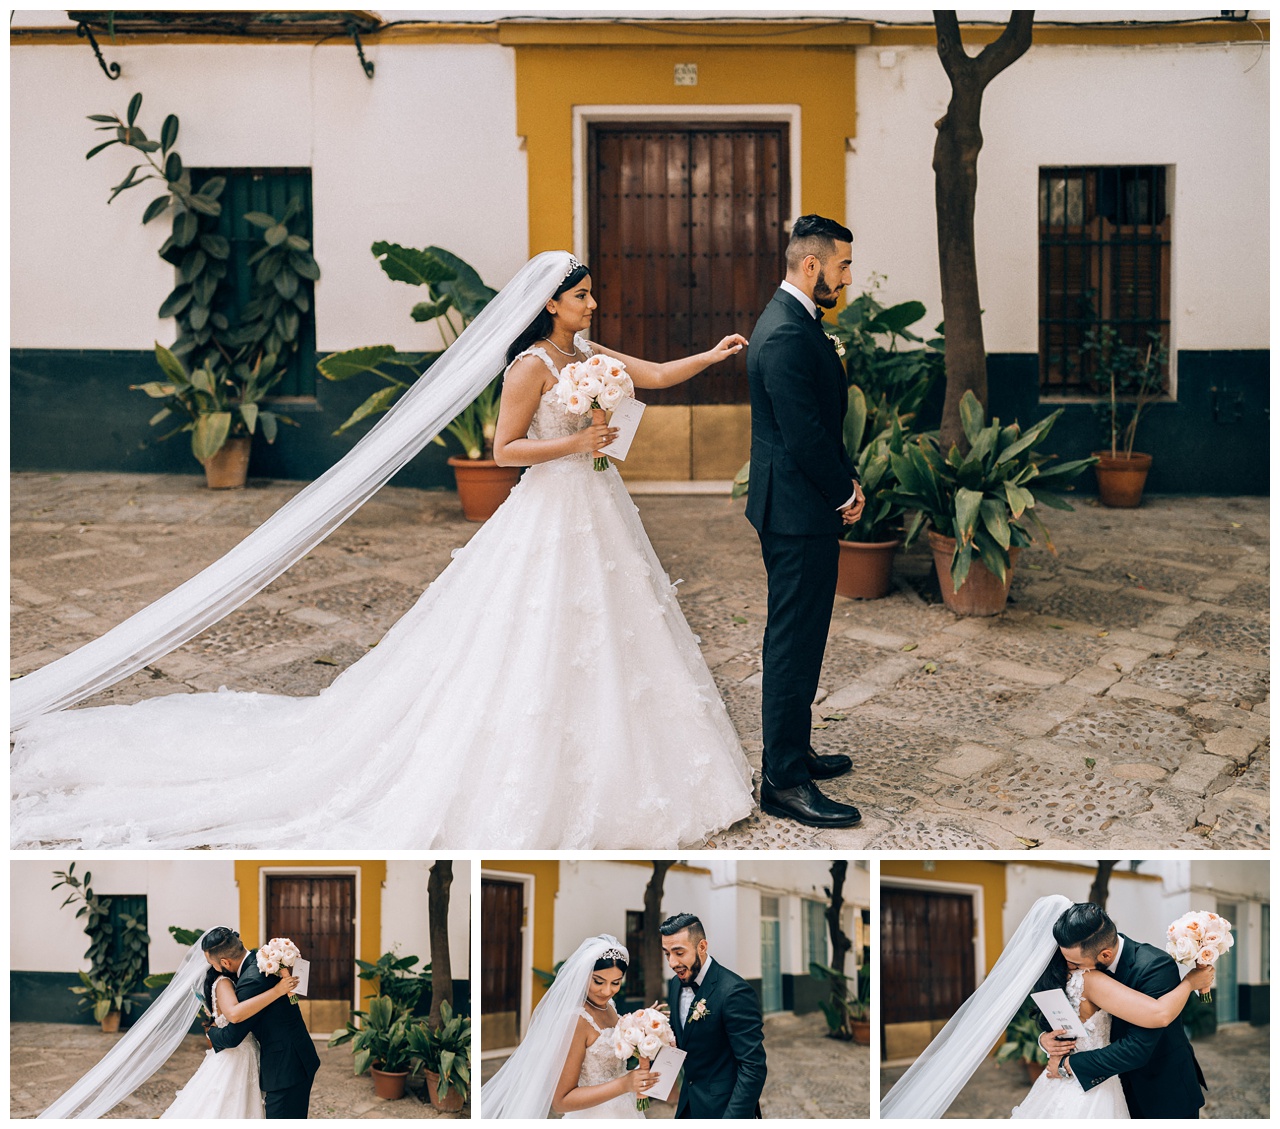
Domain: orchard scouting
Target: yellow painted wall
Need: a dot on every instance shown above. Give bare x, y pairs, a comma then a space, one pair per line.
551, 80
546, 875
989, 875
373, 874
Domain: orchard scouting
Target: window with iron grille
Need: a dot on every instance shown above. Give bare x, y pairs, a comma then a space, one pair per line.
1104, 266
815, 923
122, 906
633, 985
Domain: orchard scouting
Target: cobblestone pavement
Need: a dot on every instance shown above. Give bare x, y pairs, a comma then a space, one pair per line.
810, 1075
1121, 701
46, 1058
1236, 1063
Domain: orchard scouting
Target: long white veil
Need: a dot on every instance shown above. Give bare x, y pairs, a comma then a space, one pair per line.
142, 1049
932, 1082
310, 516
526, 1083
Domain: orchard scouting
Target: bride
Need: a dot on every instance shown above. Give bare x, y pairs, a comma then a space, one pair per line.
1031, 961
565, 1063
224, 1086
544, 692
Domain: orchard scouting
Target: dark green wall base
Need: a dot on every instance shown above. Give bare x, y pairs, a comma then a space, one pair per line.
1255, 1004
71, 409
45, 997
1213, 440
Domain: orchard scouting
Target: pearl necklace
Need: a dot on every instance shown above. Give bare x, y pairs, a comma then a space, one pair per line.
559, 350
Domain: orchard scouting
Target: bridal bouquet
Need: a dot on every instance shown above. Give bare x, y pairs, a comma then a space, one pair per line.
597, 384
641, 1034
277, 954
1199, 937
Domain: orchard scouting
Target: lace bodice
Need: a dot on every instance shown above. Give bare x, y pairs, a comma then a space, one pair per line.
1097, 1027
219, 1020
600, 1064
551, 421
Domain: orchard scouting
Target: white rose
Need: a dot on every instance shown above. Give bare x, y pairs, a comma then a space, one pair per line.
649, 1046
591, 386
611, 397
1184, 948
577, 403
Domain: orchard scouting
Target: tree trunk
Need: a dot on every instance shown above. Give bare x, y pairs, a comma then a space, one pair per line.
651, 962
441, 878
840, 943
1101, 881
955, 167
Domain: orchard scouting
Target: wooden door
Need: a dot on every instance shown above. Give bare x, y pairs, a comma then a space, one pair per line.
686, 244
502, 963
318, 911
927, 955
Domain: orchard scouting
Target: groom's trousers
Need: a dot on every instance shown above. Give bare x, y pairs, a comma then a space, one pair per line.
291, 1102
802, 588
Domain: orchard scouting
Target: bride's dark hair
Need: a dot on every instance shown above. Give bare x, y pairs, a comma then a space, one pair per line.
211, 978
543, 323
1054, 976
610, 962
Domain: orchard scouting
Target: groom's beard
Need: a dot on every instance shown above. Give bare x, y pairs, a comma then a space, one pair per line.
694, 969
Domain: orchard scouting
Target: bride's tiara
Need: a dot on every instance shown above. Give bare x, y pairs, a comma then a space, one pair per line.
615, 953
573, 266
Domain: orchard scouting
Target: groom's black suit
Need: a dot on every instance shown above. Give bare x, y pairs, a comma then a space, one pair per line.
289, 1060
800, 476
725, 1071
1157, 1067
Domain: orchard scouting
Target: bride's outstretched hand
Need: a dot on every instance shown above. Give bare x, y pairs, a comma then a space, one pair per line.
728, 347
642, 1078
287, 984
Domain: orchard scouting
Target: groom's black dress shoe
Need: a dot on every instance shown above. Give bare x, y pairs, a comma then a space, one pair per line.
824, 766
805, 804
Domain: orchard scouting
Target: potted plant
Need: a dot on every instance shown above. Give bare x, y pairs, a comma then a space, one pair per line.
1022, 1041
444, 1055
1134, 377
397, 981
848, 1017
108, 998
455, 295
380, 1043
979, 503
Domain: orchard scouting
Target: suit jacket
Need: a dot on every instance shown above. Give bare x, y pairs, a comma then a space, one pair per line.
725, 1071
1157, 1067
800, 471
288, 1055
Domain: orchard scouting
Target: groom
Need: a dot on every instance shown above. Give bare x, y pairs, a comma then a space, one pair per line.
1157, 1067
717, 1021
804, 489
289, 1060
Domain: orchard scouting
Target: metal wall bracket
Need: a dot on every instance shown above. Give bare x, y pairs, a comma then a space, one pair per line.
354, 32
113, 71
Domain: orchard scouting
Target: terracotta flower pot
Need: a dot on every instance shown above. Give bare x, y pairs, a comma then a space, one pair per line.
389, 1085
1034, 1070
866, 569
1121, 478
229, 468
861, 1029
981, 593
483, 485
111, 1023
451, 1102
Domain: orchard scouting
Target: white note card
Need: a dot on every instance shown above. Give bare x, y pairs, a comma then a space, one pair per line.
1059, 1012
666, 1063
626, 418
302, 970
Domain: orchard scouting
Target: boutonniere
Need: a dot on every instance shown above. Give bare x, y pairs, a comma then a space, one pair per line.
698, 1011
837, 343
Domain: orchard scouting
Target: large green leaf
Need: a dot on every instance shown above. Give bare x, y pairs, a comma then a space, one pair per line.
855, 421
1019, 498
305, 265
276, 234
971, 416
260, 219
205, 205
215, 245
968, 505
1030, 438
268, 421
171, 366
406, 264
135, 104
156, 206
98, 148
210, 433
380, 401
155, 389
169, 132
995, 516
185, 227
353, 362
249, 413
427, 311
895, 319
177, 301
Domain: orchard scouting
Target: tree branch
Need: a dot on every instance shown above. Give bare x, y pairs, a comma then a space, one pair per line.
1012, 44
950, 49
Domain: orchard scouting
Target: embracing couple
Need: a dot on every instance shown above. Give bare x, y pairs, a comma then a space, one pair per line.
567, 1062
1134, 1059
262, 1060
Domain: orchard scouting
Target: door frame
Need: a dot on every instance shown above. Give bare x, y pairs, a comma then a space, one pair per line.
586, 116
528, 881
315, 872
974, 891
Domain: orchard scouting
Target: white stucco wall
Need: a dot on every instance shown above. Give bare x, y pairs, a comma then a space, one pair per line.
425, 153
405, 922
1201, 109
195, 894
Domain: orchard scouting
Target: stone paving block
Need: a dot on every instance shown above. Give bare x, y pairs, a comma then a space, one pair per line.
1163, 630
1135, 640
1127, 689
876, 637
111, 585
1094, 679
1179, 615
1229, 715
1196, 773
1124, 659
315, 617
872, 682
1155, 596
1051, 708
974, 628
969, 760
1020, 672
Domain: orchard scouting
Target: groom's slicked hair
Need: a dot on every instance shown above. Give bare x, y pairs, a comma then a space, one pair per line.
681, 921
815, 235
222, 942
1085, 926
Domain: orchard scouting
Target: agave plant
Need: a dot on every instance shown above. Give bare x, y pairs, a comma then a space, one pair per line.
871, 437
986, 497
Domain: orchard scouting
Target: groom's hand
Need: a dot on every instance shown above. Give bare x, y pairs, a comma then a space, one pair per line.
1054, 1046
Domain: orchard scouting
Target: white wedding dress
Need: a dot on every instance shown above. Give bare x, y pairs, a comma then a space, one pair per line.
1063, 1098
544, 692
225, 1085
601, 1065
